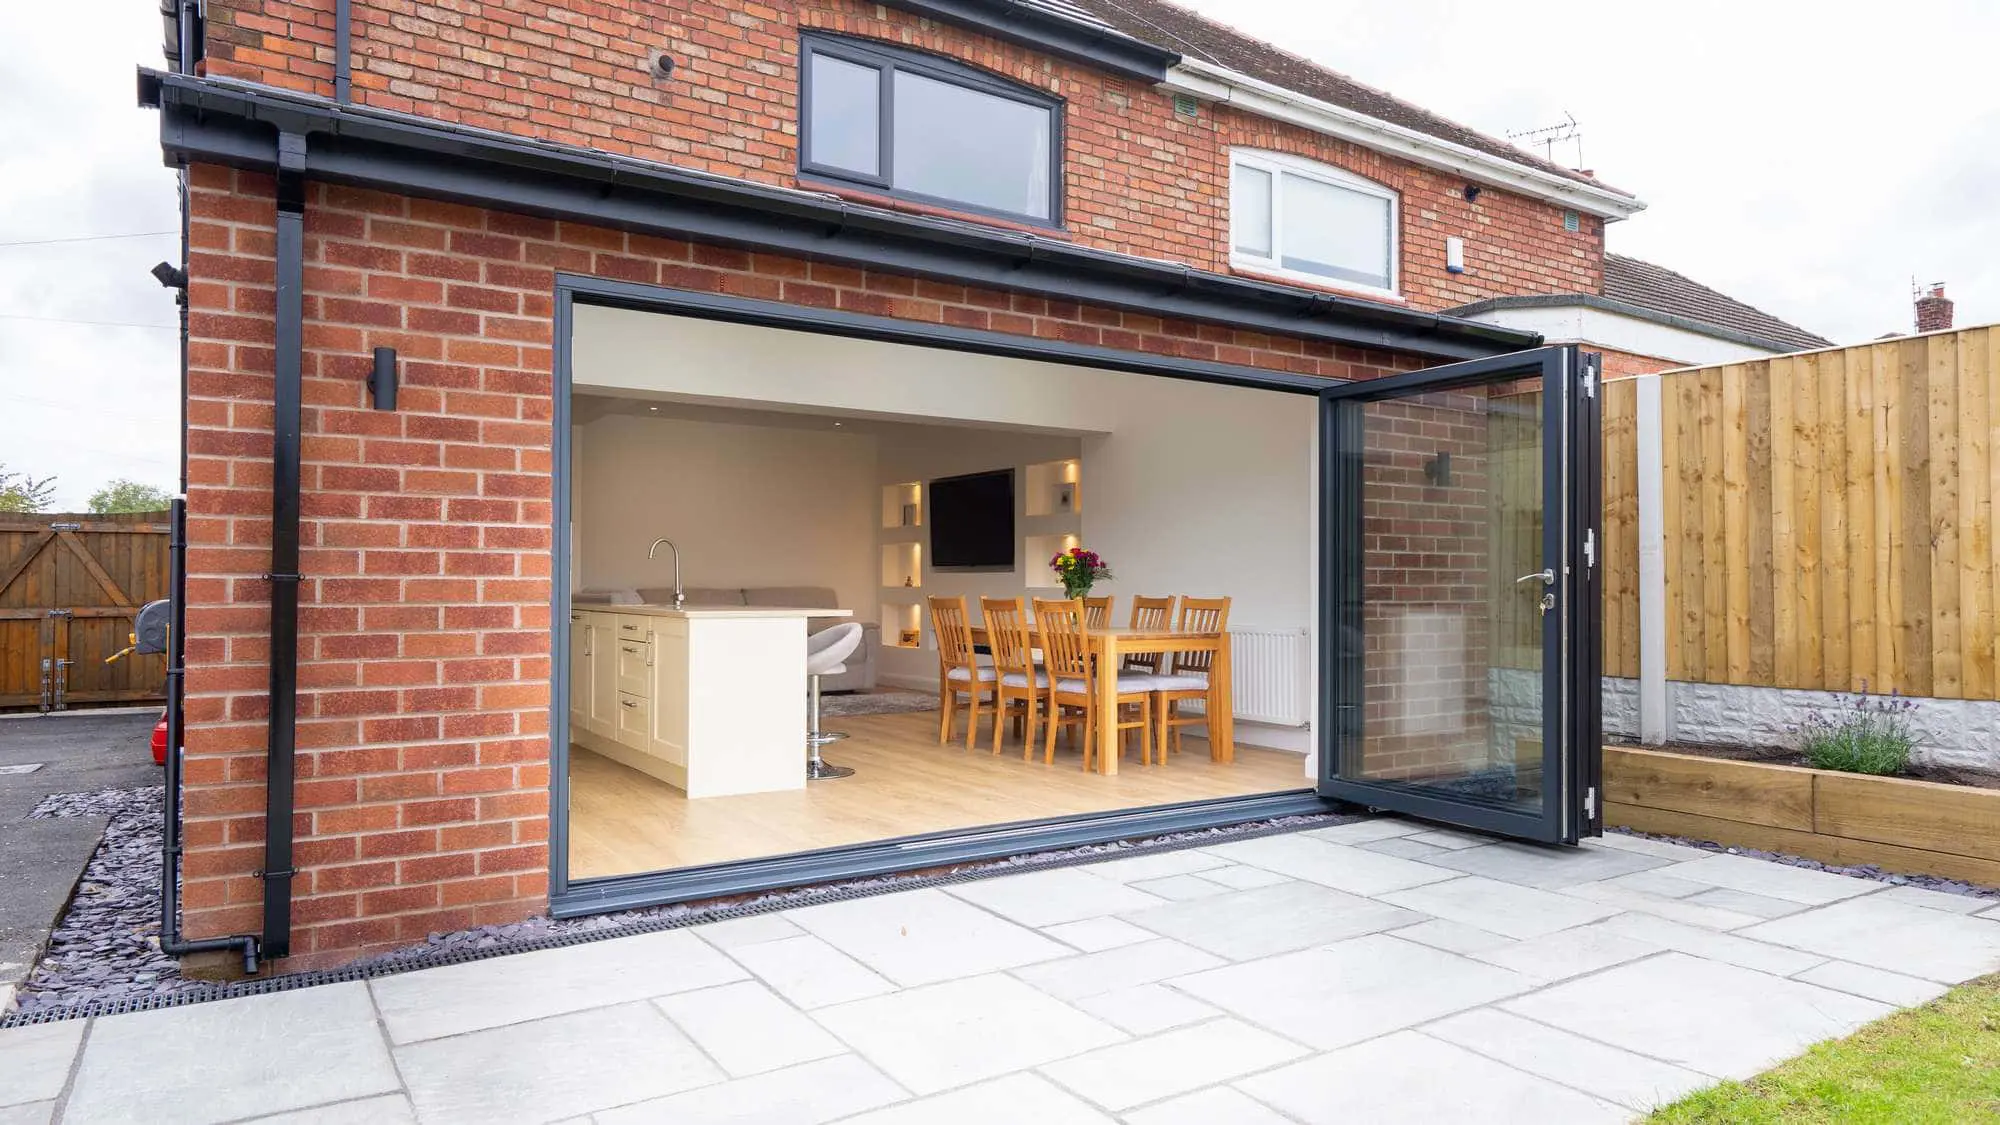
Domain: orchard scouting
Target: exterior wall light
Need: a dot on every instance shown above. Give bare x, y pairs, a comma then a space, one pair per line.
382, 379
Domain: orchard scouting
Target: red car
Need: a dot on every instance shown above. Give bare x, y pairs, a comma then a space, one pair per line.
160, 740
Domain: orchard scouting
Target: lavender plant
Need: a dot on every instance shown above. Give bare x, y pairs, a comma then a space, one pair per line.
1859, 733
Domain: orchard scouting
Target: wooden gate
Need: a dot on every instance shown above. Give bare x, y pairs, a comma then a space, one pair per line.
69, 586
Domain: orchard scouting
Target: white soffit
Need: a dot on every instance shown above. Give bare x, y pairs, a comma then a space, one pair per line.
1254, 95
1586, 325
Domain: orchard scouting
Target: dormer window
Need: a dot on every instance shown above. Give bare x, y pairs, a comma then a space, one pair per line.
928, 129
1311, 223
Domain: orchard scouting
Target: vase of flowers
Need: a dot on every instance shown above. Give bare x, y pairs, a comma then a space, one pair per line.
1078, 570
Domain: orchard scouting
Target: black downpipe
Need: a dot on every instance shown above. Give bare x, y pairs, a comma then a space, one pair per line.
343, 51
284, 575
170, 850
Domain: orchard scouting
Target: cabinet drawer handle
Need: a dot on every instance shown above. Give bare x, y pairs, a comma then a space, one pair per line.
629, 628
630, 650
626, 703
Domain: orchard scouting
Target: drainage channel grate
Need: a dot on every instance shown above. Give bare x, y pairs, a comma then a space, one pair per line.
838, 892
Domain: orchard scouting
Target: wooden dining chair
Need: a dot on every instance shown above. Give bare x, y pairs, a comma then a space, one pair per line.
959, 670
1018, 691
1191, 670
1153, 615
1064, 630
1097, 611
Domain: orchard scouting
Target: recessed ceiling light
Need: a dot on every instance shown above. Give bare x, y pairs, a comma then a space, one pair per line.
836, 423
654, 409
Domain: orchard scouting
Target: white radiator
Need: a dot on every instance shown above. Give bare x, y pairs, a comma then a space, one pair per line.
1270, 675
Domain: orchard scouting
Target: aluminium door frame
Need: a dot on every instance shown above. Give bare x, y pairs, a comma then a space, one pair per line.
1571, 700
568, 897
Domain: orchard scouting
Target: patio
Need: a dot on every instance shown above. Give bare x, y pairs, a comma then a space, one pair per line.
1380, 970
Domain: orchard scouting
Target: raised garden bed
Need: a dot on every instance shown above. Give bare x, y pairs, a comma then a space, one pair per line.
1920, 827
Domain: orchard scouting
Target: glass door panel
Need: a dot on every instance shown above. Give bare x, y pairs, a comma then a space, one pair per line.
1448, 528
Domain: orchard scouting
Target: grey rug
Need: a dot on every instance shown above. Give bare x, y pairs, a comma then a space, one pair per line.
877, 703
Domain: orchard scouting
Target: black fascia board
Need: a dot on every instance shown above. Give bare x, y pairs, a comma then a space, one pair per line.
1101, 47
216, 121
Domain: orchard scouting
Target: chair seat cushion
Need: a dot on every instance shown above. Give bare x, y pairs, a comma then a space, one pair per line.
963, 675
1128, 682
1179, 682
1020, 679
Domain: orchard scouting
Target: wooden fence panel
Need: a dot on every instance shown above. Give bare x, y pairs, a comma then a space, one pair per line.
1828, 519
69, 586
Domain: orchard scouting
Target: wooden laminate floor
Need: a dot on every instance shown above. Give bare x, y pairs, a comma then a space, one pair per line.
622, 821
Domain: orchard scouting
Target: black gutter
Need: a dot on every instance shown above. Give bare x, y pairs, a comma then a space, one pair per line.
170, 847
343, 51
284, 576
1100, 46
221, 122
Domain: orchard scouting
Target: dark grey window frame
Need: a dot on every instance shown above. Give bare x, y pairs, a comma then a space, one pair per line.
887, 59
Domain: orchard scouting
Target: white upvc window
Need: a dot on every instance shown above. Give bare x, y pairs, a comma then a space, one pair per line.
1311, 222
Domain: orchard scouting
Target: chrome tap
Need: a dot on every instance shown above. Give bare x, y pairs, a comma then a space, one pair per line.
680, 599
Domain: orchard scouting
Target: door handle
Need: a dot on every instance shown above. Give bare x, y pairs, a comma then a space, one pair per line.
1548, 577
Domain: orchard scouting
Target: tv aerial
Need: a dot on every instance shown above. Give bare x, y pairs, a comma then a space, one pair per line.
1549, 136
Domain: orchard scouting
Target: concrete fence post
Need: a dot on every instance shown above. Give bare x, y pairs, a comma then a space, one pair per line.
1652, 565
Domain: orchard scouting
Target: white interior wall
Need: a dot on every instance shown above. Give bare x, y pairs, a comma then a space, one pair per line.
1187, 488
747, 505
925, 453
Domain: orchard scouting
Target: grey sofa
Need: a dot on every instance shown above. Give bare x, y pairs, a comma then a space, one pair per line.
861, 667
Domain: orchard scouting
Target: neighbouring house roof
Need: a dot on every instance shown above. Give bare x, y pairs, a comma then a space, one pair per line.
1633, 282
1197, 36
1654, 293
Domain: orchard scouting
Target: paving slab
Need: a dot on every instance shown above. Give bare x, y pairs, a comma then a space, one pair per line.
1719, 1019
28, 1113
1094, 934
1743, 902
1730, 949
1454, 937
1157, 865
1403, 847
1243, 877
1896, 936
1567, 953
1361, 831
1046, 898
1244, 925
519, 987
213, 1062
1633, 1081
1217, 1105
1180, 888
1938, 900
925, 936
389, 1109
811, 973
1091, 974
1503, 908
807, 1094
1011, 1100
1352, 990
35, 1060
747, 931
1775, 880
747, 1029
1546, 866
1331, 865
938, 1036
1146, 1009
1624, 842
1415, 1079
1875, 984
1627, 896
1171, 1063
552, 1068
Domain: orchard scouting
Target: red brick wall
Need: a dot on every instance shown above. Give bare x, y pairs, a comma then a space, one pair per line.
424, 625
1139, 178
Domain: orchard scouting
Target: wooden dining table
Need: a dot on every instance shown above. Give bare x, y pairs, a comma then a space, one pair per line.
1112, 644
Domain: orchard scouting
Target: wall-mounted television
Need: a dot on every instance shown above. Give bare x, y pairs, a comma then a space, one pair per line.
972, 521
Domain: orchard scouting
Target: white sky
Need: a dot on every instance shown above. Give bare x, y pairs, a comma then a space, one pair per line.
1808, 158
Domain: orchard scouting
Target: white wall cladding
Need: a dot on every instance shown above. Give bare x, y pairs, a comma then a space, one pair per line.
1950, 732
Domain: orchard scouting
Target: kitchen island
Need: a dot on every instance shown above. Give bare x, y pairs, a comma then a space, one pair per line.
710, 700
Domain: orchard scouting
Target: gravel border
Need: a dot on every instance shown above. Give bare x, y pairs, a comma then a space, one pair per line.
1856, 871
104, 952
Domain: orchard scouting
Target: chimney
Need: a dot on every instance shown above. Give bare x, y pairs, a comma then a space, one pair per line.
1934, 310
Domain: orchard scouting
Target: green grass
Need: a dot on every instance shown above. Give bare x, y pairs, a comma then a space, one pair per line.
1938, 1063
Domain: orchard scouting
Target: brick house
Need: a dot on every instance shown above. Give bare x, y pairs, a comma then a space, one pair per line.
437, 260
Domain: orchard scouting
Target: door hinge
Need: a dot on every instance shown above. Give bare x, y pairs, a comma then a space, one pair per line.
1591, 366
1590, 547
1590, 802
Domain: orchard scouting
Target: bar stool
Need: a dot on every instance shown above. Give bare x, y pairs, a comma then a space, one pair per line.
826, 655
